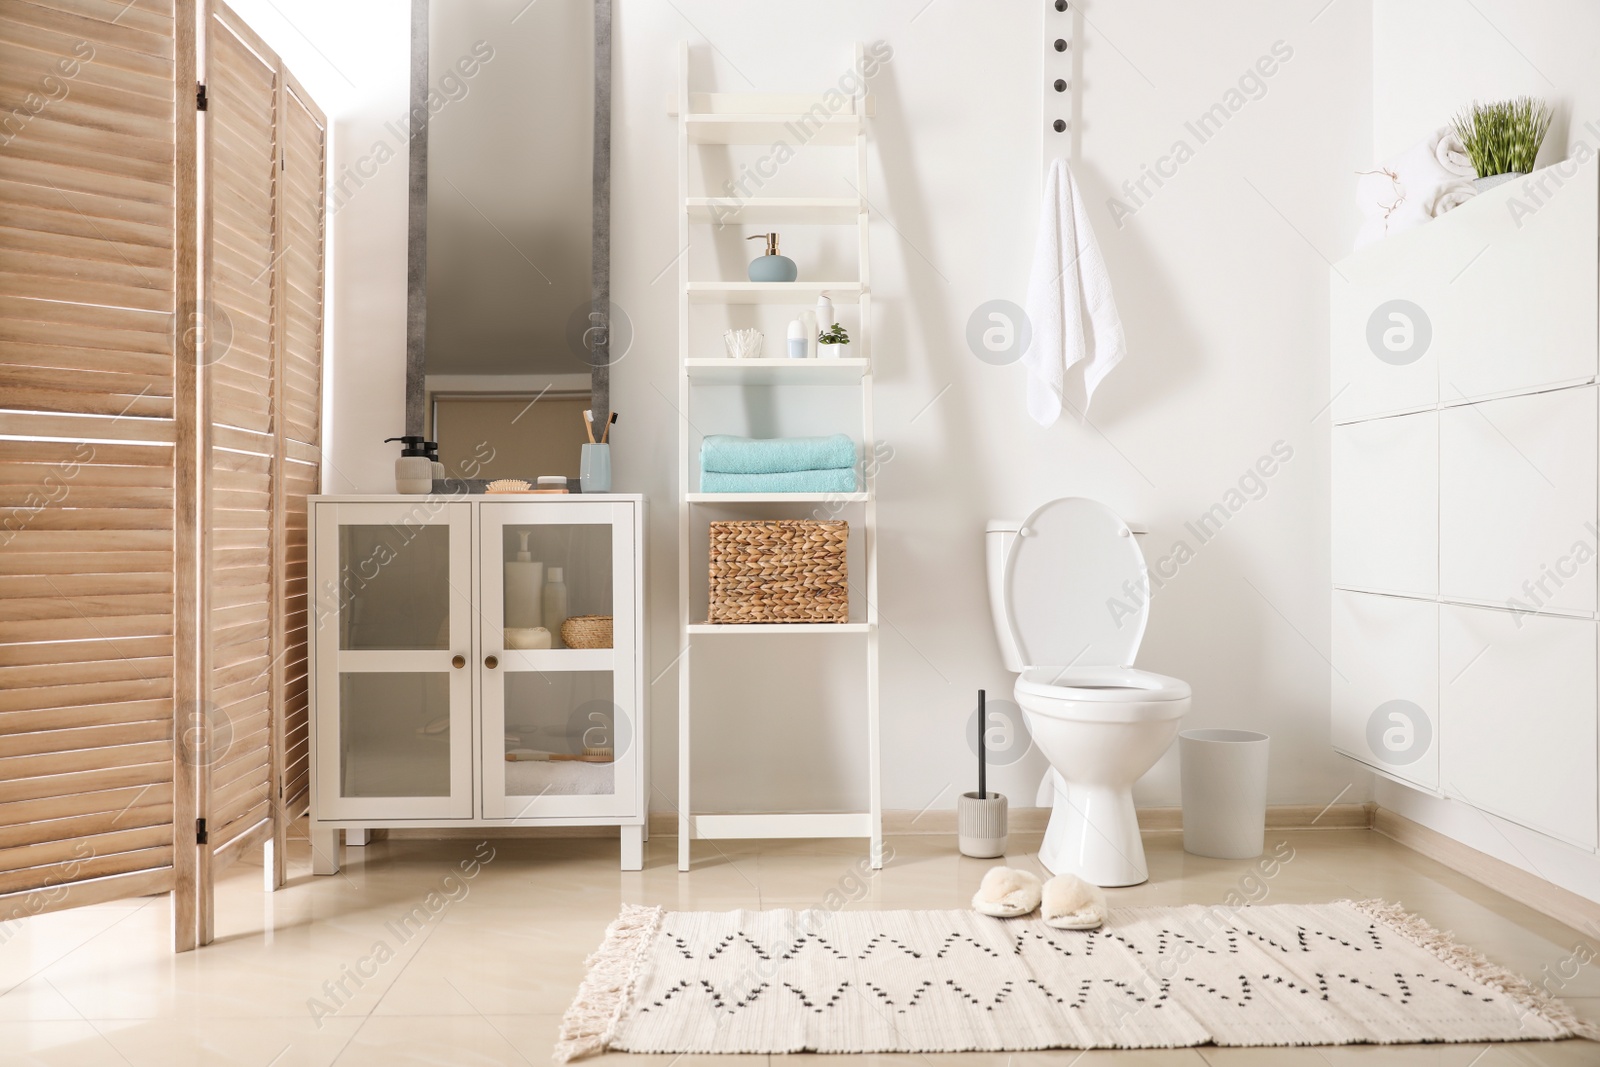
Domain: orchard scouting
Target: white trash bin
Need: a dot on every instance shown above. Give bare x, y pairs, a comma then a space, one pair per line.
1224, 792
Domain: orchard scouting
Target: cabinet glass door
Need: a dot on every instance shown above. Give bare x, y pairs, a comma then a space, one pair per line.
559, 704
394, 632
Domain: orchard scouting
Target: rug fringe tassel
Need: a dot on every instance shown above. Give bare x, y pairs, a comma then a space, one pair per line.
1477, 966
590, 1023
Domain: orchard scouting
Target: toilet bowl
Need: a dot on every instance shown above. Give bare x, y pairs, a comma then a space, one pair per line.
1068, 592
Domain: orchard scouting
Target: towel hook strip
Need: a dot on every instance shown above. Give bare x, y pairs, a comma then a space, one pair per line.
1059, 75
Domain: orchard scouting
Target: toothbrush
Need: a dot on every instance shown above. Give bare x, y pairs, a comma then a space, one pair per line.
609, 423
588, 424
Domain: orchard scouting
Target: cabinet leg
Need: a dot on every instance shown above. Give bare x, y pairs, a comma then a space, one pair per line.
633, 848
357, 838
325, 846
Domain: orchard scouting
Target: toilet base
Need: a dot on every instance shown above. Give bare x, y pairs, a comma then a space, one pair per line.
1094, 834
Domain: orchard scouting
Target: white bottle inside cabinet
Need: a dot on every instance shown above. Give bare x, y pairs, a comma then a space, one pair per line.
420, 694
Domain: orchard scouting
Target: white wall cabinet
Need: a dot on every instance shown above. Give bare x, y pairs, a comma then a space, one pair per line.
1517, 490
1466, 491
1386, 684
420, 703
1386, 505
1517, 710
1483, 302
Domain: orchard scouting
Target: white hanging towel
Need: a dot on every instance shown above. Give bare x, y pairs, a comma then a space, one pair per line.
1070, 306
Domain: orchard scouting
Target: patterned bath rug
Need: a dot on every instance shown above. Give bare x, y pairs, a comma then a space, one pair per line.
1350, 972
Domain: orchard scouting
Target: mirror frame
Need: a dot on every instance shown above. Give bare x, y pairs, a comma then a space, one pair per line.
417, 222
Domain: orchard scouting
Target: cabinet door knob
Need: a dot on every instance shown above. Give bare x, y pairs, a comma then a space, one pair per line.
458, 662
491, 662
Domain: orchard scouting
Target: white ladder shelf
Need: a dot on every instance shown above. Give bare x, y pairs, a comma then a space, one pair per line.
761, 119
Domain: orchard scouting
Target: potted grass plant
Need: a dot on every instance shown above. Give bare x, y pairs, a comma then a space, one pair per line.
1502, 138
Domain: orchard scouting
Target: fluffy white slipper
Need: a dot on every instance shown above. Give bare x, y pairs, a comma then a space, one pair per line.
1070, 903
1007, 893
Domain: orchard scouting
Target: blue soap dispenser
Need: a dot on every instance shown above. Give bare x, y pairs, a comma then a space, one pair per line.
770, 266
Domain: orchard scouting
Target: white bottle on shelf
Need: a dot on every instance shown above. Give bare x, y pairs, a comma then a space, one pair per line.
524, 588
555, 604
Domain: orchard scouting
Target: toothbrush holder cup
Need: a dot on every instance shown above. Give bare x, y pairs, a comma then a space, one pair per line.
594, 468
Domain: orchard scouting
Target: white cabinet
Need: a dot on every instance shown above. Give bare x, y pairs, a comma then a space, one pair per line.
429, 711
1381, 348
1519, 315
1517, 493
393, 738
1489, 300
1386, 504
561, 700
1466, 490
1386, 684
1517, 709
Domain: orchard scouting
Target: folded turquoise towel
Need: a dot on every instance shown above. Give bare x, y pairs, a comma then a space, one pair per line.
726, 454
831, 481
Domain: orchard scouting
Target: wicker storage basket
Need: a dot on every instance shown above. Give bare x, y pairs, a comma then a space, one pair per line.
779, 570
586, 631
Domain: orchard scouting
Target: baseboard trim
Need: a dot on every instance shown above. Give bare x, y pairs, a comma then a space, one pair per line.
1560, 904
907, 823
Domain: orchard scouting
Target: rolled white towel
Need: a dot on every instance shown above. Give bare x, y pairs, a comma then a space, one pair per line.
1448, 197
1451, 153
1408, 189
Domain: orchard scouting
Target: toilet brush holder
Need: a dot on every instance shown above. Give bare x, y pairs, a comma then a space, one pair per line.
981, 825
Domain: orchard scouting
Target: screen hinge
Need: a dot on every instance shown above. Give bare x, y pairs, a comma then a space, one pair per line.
200, 95
200, 837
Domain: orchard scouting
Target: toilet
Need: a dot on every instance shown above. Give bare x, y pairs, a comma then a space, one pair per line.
1067, 588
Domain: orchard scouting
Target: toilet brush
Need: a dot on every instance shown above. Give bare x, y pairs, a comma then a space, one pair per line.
981, 816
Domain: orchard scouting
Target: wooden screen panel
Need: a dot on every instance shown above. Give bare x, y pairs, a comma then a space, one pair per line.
301, 214
86, 665
242, 294
97, 277
87, 195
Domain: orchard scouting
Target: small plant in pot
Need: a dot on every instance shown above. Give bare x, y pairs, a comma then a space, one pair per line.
1503, 138
834, 342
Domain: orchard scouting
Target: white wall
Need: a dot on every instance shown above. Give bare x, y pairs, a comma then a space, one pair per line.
1430, 58
1221, 278
355, 60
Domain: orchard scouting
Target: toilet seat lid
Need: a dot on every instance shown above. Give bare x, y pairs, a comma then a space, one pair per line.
1075, 587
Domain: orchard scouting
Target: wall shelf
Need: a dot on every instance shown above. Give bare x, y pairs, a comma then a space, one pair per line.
776, 371
780, 628
776, 498
794, 128
772, 292
762, 119
776, 211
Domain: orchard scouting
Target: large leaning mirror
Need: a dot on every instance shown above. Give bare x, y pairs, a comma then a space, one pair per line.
508, 336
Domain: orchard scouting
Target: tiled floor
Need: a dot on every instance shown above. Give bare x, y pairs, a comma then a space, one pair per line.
328, 971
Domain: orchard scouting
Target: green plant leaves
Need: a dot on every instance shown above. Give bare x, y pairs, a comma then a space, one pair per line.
1505, 136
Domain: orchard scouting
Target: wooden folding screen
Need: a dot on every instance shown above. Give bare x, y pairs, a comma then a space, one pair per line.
156, 447
97, 522
264, 160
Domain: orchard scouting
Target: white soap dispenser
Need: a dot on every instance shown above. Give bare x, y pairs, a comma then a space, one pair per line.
413, 471
555, 604
524, 588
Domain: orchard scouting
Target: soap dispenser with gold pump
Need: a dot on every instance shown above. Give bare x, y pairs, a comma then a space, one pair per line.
770, 266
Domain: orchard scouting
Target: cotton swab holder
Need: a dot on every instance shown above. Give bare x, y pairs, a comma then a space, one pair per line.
981, 816
743, 344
